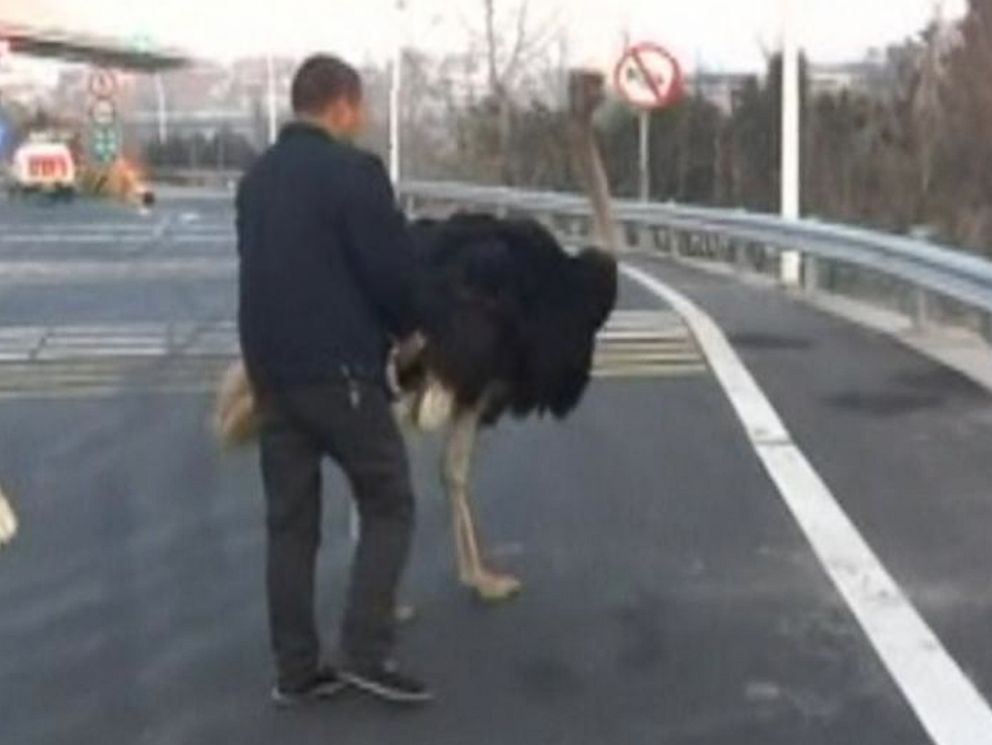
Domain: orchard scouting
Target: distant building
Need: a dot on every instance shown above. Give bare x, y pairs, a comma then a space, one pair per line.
854, 77
26, 84
719, 88
208, 98
865, 77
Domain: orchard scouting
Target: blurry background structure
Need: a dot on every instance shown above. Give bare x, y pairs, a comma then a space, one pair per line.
896, 138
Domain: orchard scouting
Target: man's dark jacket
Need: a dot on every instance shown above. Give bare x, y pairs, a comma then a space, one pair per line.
327, 269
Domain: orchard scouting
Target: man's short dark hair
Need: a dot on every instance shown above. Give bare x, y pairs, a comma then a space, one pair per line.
321, 80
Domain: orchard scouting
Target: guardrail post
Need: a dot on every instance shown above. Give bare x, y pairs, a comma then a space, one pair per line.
547, 219
921, 309
697, 245
572, 228
986, 326
811, 274
578, 228
647, 238
738, 254
665, 240
724, 249
626, 230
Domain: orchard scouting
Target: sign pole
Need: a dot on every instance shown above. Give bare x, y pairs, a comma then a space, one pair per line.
270, 83
163, 116
645, 127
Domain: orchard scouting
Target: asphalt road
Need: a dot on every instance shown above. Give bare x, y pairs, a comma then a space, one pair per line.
669, 595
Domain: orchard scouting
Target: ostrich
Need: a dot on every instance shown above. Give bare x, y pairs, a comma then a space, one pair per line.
509, 327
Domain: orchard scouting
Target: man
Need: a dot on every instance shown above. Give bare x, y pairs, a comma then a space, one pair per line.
326, 282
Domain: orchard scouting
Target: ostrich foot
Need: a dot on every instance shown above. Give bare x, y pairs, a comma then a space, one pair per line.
493, 588
8, 521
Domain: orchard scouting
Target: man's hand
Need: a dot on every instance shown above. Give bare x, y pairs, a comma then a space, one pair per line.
407, 349
402, 355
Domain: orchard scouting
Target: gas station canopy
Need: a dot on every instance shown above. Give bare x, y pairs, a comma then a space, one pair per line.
100, 51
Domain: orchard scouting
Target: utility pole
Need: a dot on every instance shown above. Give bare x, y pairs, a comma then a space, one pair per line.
644, 121
163, 114
395, 99
791, 261
270, 70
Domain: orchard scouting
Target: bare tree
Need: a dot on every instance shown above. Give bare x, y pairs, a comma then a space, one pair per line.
513, 44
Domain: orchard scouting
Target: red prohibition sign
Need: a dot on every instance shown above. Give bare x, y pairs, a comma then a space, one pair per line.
102, 84
648, 76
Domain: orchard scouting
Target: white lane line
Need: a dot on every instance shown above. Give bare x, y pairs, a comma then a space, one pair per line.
8, 520
946, 702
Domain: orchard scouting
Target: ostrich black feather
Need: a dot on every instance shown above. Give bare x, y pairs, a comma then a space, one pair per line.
509, 314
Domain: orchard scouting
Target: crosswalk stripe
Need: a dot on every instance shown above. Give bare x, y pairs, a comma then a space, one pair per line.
646, 343
60, 272
91, 359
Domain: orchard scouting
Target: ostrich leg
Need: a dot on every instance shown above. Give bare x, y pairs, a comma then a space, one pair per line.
456, 468
8, 521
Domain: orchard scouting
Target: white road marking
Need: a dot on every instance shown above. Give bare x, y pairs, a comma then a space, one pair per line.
8, 521
124, 237
48, 239
223, 239
135, 226
48, 272
627, 334
50, 343
91, 359
162, 227
946, 702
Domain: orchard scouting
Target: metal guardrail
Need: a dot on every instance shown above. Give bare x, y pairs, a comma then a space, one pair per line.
730, 234
216, 178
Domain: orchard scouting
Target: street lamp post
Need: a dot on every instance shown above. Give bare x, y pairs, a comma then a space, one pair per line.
163, 116
270, 76
790, 260
395, 88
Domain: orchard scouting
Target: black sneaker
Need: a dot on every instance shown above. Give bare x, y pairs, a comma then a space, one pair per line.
325, 683
388, 683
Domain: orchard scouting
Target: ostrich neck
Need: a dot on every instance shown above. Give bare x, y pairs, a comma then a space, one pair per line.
598, 186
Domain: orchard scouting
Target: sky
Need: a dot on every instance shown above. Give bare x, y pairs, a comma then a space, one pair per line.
714, 34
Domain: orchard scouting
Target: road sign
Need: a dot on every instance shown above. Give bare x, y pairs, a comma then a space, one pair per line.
102, 83
648, 76
103, 113
104, 144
